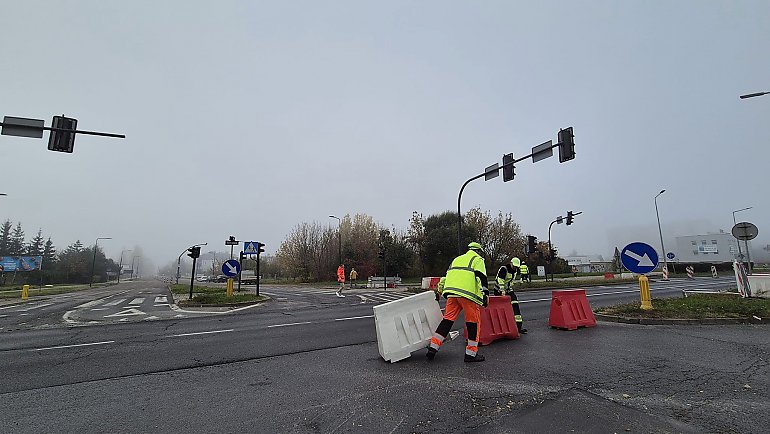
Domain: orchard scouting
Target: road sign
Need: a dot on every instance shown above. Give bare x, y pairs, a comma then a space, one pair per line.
639, 258
231, 268
22, 127
250, 248
542, 151
745, 231
670, 255
491, 172
232, 242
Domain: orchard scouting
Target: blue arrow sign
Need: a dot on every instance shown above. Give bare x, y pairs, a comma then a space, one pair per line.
670, 255
639, 258
231, 268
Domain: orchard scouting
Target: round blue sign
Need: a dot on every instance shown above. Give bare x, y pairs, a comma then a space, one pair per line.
231, 268
670, 255
639, 258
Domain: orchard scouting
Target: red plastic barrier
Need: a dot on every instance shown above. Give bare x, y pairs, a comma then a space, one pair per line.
609, 276
497, 321
570, 310
434, 282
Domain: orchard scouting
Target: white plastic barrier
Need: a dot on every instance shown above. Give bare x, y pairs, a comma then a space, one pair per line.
406, 325
760, 285
425, 283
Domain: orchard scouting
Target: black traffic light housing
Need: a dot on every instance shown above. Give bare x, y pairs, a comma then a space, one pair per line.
508, 168
195, 252
260, 247
62, 141
570, 216
552, 255
566, 145
531, 244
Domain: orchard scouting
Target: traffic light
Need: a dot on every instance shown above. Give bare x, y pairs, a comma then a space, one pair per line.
570, 216
62, 141
566, 145
260, 247
508, 173
552, 255
531, 244
195, 252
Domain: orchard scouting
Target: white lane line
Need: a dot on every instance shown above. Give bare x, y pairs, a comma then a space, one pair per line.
38, 306
137, 301
11, 306
160, 299
289, 324
115, 302
198, 333
73, 346
353, 317
100, 308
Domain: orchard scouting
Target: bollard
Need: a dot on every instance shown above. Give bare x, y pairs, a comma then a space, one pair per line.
714, 272
25, 292
229, 287
665, 272
690, 272
644, 291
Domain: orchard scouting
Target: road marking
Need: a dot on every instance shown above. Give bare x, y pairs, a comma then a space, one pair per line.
127, 312
354, 317
115, 302
289, 324
137, 301
198, 333
73, 346
89, 304
161, 299
38, 306
3, 316
100, 308
149, 318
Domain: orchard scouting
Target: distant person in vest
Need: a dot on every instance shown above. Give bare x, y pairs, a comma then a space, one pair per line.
353, 277
341, 279
506, 277
524, 270
465, 288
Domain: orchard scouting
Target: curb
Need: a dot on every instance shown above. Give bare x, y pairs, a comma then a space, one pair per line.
671, 321
241, 304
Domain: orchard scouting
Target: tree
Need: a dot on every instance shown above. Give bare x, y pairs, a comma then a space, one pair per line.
416, 238
49, 252
5, 237
441, 242
16, 243
36, 245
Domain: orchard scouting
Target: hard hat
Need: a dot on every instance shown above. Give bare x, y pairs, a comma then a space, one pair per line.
475, 246
515, 262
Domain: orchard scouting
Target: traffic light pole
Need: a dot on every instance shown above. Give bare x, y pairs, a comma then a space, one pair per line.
550, 249
460, 196
192, 277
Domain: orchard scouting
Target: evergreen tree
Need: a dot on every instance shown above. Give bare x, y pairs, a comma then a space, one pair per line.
16, 243
49, 252
75, 247
5, 237
36, 245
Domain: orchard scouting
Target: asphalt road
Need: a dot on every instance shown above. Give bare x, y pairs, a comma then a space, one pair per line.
286, 367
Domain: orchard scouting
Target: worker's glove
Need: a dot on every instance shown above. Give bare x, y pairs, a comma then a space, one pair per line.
485, 291
438, 297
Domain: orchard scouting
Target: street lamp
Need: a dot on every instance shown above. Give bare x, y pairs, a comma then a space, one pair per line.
120, 264
339, 236
179, 259
93, 264
752, 95
660, 232
740, 254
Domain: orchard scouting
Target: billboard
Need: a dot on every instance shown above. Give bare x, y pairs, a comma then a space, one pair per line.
20, 263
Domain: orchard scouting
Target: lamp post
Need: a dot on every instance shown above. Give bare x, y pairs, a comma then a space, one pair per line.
120, 264
740, 254
660, 232
339, 236
93, 263
179, 259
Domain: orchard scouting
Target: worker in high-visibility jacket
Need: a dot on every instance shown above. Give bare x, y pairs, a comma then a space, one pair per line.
465, 288
524, 270
506, 277
341, 279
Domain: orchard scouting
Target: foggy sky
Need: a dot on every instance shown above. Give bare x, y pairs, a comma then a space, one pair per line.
246, 118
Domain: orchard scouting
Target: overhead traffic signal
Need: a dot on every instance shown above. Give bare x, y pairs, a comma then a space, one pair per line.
508, 173
531, 244
566, 145
62, 141
260, 247
552, 254
195, 252
570, 217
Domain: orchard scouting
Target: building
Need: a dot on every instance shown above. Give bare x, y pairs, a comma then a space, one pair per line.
709, 248
588, 264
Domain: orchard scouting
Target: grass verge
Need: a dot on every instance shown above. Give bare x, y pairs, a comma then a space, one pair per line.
695, 307
185, 289
222, 299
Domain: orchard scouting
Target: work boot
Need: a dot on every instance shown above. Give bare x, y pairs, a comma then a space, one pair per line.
523, 331
431, 353
477, 358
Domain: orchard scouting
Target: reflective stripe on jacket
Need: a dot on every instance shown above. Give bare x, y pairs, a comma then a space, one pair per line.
461, 280
524, 269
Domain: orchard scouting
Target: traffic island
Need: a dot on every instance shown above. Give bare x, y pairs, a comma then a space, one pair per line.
208, 296
727, 308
